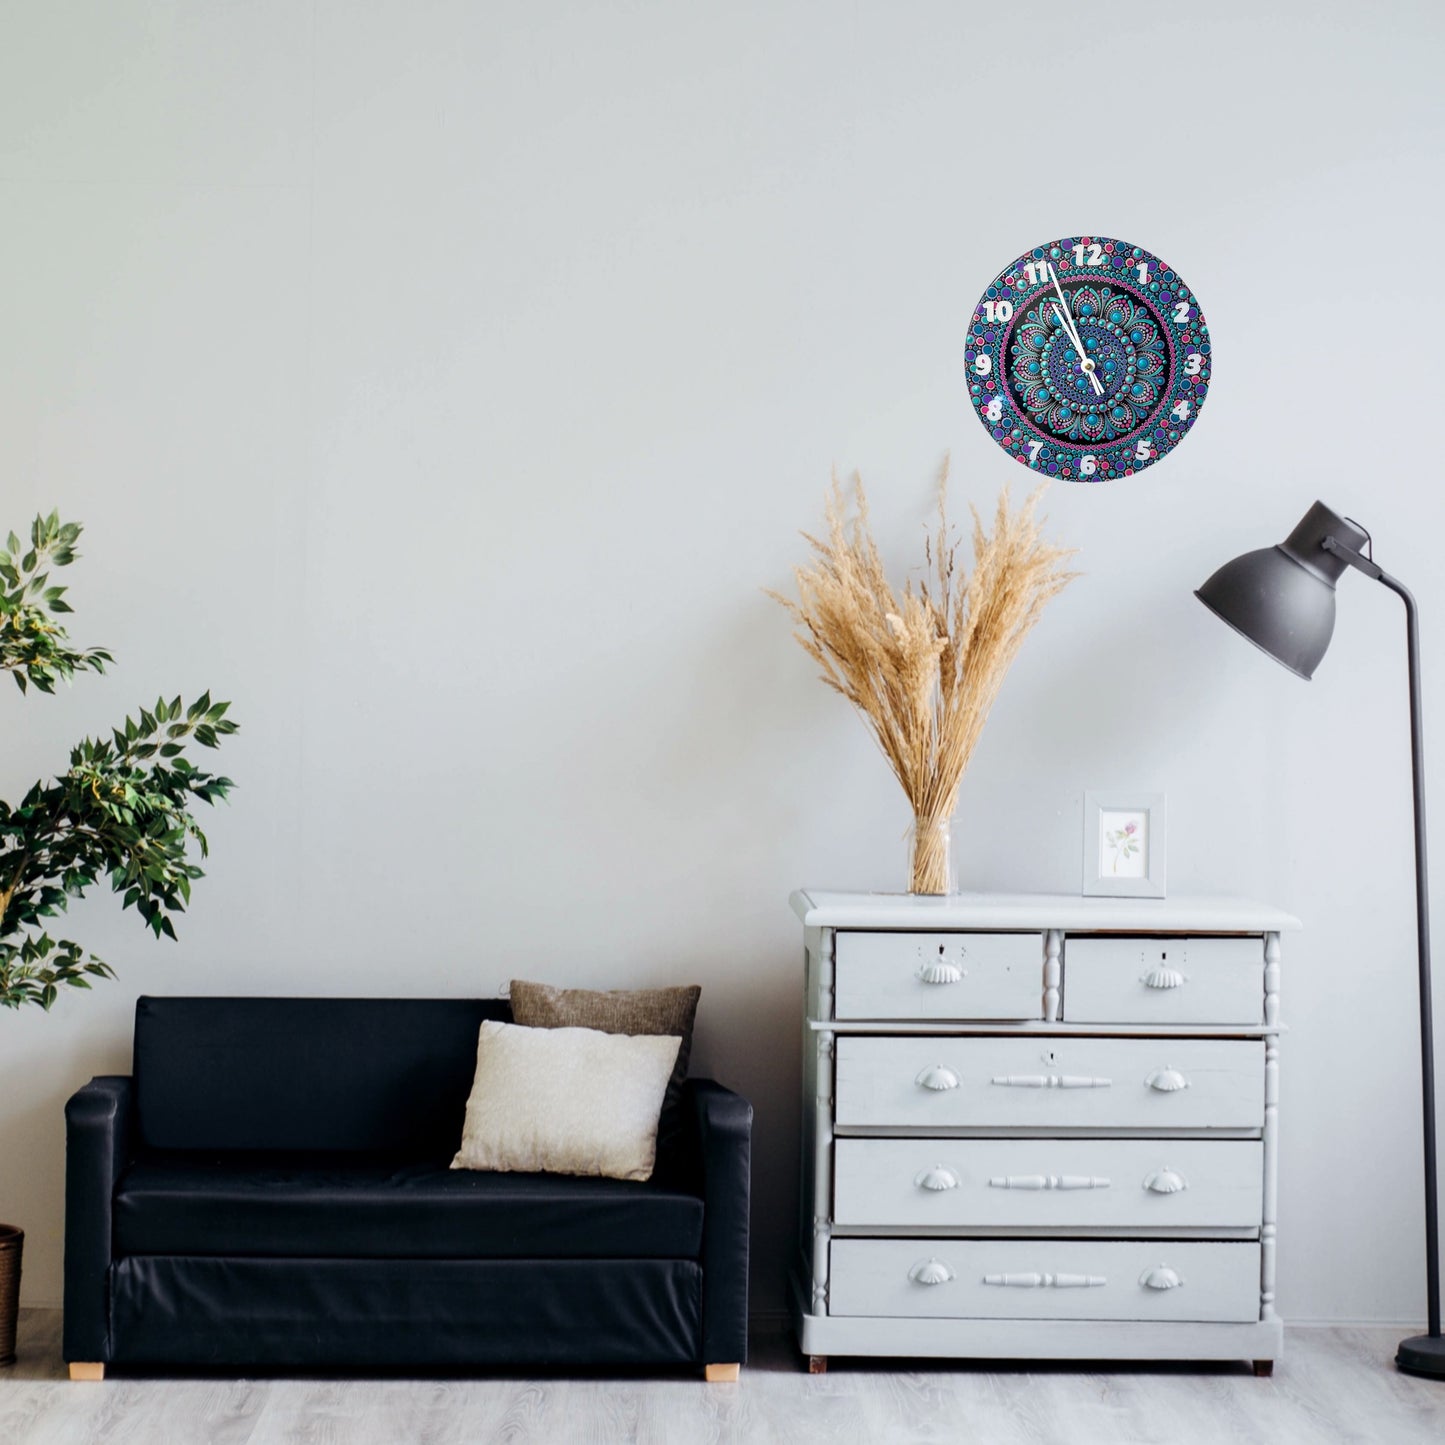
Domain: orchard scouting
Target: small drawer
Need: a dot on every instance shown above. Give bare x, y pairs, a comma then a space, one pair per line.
983, 1184
939, 975
1164, 980
1054, 1279
954, 1083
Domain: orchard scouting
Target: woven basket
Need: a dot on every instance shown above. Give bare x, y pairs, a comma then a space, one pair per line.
12, 1241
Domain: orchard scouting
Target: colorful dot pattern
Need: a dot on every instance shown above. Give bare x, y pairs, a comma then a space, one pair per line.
1140, 325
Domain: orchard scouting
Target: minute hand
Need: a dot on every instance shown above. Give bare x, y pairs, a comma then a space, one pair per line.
1061, 307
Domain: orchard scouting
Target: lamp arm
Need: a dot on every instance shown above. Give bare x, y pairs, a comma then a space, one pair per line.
1370, 568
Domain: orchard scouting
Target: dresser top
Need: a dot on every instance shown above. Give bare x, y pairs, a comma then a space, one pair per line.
1203, 914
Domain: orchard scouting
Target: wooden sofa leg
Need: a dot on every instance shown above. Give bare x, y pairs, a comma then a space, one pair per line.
721, 1374
86, 1370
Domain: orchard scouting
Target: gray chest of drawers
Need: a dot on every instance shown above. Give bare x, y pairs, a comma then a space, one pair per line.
1039, 1127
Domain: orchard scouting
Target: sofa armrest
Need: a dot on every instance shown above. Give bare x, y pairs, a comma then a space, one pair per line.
724, 1126
98, 1120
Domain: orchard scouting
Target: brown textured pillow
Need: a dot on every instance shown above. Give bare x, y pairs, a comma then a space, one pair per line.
618, 1011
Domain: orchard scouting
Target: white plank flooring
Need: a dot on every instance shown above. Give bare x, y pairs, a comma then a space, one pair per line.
1333, 1386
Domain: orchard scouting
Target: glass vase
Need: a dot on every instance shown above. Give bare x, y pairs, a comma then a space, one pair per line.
930, 857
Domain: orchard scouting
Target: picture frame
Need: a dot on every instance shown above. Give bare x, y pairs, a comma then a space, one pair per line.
1125, 840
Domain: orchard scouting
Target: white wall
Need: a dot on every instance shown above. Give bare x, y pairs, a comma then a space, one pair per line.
443, 382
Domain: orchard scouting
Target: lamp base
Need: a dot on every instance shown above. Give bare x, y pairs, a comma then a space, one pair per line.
1423, 1355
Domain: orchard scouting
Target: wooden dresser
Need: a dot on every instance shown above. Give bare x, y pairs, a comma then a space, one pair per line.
1039, 1126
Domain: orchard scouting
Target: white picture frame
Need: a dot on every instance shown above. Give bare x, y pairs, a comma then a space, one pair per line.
1125, 841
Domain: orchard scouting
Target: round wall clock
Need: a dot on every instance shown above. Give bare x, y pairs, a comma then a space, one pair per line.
1088, 359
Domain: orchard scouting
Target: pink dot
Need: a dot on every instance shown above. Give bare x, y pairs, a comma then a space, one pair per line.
1108, 248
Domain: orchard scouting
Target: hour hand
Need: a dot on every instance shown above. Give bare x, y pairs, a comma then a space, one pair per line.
1087, 364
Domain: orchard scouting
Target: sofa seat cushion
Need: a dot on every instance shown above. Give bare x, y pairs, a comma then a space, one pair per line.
352, 1207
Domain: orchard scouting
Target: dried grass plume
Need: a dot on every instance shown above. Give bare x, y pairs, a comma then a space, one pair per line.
924, 666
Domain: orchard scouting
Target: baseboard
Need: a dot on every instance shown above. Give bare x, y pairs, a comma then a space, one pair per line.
778, 1321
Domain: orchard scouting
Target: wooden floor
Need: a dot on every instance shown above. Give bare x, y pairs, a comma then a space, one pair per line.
1333, 1386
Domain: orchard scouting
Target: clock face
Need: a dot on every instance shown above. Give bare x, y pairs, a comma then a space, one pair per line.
1088, 359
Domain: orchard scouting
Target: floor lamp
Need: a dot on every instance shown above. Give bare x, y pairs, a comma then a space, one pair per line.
1283, 600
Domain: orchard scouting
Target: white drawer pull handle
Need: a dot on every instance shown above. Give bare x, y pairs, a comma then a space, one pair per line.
1166, 1181
1046, 1281
937, 1077
1162, 977
1167, 1080
930, 1271
936, 1179
1048, 1181
940, 972
1161, 1277
1050, 1081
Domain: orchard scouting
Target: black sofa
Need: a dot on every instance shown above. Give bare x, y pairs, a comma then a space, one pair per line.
270, 1187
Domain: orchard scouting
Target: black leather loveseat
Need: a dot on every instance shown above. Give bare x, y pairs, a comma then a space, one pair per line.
271, 1187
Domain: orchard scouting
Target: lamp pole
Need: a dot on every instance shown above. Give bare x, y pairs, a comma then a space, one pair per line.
1415, 1353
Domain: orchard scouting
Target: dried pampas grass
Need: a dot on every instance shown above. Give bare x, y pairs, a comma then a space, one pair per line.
923, 667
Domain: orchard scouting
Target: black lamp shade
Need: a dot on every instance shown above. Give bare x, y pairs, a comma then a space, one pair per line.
1283, 598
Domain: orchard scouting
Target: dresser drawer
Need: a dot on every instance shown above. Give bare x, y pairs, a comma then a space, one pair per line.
1080, 1279
1164, 980
939, 975
980, 1184
952, 1083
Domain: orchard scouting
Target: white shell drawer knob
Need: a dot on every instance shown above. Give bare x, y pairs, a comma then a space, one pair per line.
930, 1271
936, 1179
1162, 977
1161, 1277
1167, 1081
940, 972
937, 1077
1166, 1181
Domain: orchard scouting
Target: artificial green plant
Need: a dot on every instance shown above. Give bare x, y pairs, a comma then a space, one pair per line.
123, 807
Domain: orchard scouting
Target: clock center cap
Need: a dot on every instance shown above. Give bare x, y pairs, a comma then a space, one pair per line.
1088, 364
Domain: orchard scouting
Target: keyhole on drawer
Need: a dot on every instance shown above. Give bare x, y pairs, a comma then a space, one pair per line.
1051, 1057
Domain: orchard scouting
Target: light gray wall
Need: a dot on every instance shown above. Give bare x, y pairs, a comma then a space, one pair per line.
443, 382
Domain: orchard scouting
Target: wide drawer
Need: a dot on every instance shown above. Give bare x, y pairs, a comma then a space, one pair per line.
1059, 1279
938, 975
981, 1184
1164, 980
942, 1082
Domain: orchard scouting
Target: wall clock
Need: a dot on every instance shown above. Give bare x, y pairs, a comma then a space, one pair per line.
1088, 359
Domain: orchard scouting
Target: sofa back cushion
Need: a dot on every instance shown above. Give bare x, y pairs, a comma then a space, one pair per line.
370, 1075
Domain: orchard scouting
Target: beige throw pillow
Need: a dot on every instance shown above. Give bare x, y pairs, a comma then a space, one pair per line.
618, 1011
565, 1101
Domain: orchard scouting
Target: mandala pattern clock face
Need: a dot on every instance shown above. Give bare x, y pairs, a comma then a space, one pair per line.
1088, 359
